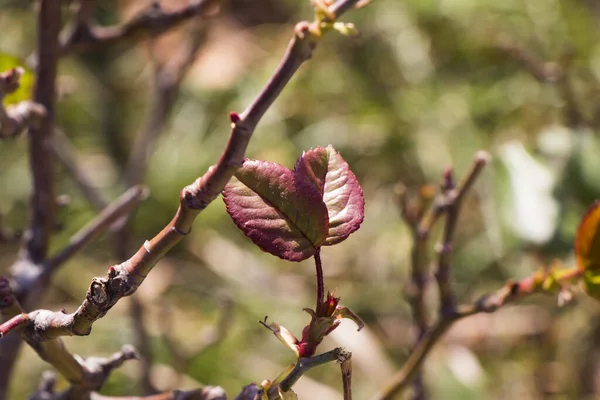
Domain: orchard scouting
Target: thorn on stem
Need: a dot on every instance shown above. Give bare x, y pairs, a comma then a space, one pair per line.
234, 117
302, 29
448, 180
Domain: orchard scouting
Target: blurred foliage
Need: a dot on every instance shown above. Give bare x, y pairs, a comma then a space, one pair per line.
24, 91
427, 84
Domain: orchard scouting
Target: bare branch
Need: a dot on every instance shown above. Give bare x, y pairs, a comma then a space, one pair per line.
40, 155
12, 324
305, 364
346, 368
117, 209
413, 209
421, 223
65, 153
449, 312
150, 22
106, 365
453, 197
213, 336
545, 72
167, 80
84, 375
489, 303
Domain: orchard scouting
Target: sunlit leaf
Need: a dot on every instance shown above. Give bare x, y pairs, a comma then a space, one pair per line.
587, 242
587, 250
342, 195
591, 284
7, 62
281, 212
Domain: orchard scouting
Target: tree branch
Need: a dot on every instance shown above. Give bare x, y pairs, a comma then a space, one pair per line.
41, 158
413, 210
150, 22
65, 153
305, 364
541, 281
489, 303
453, 197
117, 209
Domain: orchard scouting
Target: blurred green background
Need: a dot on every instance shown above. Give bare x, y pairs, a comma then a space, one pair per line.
426, 85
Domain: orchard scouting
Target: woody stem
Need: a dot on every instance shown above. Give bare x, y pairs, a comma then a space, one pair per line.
320, 283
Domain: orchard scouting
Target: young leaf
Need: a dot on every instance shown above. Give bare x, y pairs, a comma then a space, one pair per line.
330, 174
587, 242
587, 250
281, 212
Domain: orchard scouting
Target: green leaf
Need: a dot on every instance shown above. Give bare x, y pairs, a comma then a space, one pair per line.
591, 284
24, 91
587, 250
587, 242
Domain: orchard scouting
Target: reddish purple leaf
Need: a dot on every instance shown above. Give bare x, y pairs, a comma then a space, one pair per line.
281, 212
329, 173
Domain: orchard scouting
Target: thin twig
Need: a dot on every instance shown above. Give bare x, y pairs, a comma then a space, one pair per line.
152, 21
167, 81
489, 303
117, 209
346, 368
541, 281
545, 72
320, 283
413, 213
41, 159
84, 375
453, 201
65, 152
217, 332
449, 202
250, 392
549, 72
305, 364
